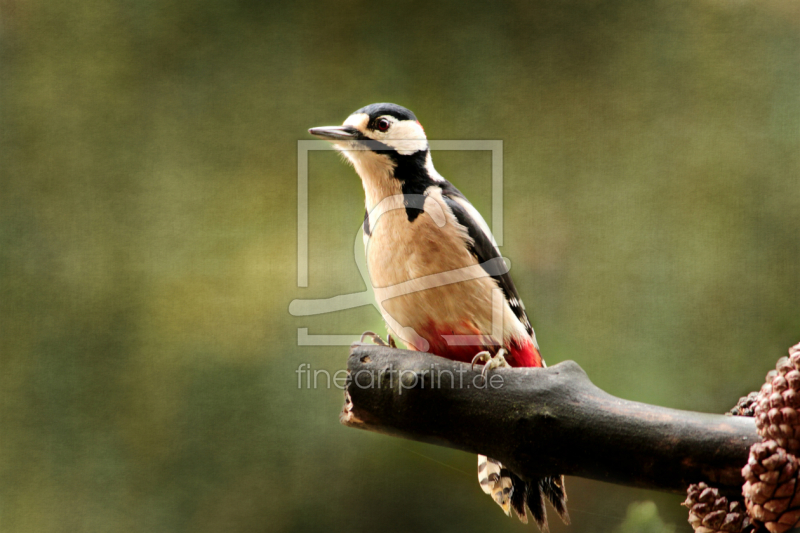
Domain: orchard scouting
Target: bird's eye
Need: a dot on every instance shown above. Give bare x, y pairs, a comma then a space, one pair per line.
383, 124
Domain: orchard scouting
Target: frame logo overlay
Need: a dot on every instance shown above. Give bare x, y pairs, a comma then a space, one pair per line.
375, 296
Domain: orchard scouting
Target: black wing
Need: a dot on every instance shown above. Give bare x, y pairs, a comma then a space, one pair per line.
484, 250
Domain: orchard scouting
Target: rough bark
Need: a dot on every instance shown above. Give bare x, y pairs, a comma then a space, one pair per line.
541, 421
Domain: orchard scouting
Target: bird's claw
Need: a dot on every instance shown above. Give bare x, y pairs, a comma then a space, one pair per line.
378, 340
491, 362
480, 356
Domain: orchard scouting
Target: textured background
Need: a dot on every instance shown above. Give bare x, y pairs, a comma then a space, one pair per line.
148, 239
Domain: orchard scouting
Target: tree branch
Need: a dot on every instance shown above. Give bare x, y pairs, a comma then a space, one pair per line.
543, 421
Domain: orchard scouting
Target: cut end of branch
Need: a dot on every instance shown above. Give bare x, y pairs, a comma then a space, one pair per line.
349, 416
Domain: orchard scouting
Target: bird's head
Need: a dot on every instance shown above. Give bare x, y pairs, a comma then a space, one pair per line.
384, 129
387, 146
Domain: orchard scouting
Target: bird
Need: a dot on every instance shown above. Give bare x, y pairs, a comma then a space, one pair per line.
438, 275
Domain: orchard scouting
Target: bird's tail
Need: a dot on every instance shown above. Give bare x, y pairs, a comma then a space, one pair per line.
511, 492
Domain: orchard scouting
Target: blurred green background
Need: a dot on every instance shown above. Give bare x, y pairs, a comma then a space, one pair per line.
148, 239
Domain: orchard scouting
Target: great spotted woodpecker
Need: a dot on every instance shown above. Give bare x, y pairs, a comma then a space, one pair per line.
440, 281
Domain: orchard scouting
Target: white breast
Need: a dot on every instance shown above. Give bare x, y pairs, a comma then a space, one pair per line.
419, 270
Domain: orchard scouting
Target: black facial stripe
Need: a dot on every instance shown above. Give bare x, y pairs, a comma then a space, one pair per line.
409, 169
372, 144
414, 179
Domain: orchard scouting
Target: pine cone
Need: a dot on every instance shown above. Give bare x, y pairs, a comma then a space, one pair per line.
777, 411
770, 487
711, 513
745, 406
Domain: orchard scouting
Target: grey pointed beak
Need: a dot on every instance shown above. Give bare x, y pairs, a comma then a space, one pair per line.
335, 133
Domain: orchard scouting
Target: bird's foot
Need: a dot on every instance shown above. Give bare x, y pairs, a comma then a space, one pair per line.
378, 340
491, 361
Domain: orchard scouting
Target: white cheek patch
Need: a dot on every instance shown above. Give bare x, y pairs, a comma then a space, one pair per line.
405, 136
